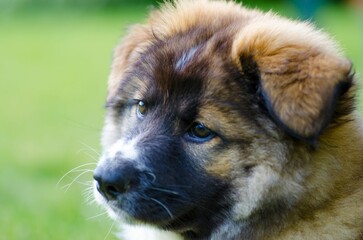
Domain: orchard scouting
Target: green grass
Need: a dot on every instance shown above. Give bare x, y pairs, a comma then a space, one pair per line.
53, 71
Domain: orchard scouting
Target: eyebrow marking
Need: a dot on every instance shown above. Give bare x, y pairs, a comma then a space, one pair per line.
185, 58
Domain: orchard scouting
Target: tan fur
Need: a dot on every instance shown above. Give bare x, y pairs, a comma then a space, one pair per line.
332, 207
298, 72
300, 69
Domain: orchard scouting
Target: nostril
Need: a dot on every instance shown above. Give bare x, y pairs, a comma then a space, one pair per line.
121, 187
112, 191
109, 191
113, 182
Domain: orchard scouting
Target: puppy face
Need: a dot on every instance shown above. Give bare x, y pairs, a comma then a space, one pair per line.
170, 139
205, 119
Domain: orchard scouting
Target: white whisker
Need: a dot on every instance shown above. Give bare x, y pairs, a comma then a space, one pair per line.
91, 148
85, 151
165, 190
88, 195
78, 182
152, 175
87, 184
73, 170
165, 207
75, 179
98, 215
109, 231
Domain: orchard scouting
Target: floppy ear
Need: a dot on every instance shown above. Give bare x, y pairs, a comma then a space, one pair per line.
302, 74
125, 53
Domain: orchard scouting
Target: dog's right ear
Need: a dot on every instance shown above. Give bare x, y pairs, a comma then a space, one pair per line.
302, 74
125, 54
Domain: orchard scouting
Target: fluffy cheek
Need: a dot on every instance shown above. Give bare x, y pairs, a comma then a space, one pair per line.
265, 186
265, 177
254, 189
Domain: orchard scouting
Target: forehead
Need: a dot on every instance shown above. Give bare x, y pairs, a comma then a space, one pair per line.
185, 72
186, 65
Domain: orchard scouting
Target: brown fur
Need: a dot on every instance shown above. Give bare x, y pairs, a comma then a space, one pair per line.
280, 92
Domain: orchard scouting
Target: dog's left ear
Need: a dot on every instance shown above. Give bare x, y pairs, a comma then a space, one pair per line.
302, 74
125, 54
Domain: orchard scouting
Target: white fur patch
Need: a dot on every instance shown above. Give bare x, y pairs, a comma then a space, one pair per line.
126, 149
146, 233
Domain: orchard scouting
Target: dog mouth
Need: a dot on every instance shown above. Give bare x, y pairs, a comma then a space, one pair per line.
161, 196
164, 208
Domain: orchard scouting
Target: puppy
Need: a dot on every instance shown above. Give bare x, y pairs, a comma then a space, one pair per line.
229, 123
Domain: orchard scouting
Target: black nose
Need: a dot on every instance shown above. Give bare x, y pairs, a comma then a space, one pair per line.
114, 181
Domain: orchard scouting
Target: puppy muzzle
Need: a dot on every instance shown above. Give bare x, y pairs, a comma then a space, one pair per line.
112, 182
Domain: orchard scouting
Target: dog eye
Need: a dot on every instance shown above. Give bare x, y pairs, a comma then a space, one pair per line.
200, 133
141, 109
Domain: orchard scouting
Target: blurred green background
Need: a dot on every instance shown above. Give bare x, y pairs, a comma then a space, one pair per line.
54, 62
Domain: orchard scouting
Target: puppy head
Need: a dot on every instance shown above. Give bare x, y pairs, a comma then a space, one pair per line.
208, 120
